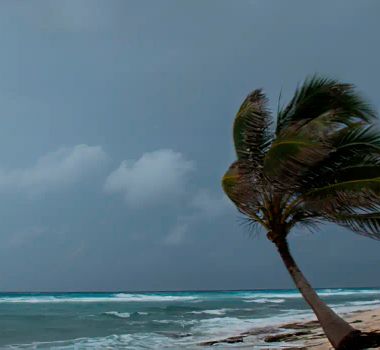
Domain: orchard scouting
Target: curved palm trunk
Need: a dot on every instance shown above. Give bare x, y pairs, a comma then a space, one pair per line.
340, 334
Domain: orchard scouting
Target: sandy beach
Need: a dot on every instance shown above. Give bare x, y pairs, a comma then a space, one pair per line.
305, 334
367, 321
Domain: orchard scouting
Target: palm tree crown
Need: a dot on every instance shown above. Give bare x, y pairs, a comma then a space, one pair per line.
320, 163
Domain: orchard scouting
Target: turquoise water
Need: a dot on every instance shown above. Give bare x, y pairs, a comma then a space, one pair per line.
170, 320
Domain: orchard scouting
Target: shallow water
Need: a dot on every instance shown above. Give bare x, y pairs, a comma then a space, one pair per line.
170, 320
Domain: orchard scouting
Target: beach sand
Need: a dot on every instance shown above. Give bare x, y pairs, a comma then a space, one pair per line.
363, 320
305, 335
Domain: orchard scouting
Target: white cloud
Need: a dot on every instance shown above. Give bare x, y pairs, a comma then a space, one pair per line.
177, 234
204, 206
210, 205
155, 176
54, 170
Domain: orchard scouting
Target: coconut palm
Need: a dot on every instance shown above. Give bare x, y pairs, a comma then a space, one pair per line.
320, 163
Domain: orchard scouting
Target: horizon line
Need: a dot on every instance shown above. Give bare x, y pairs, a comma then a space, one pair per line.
177, 291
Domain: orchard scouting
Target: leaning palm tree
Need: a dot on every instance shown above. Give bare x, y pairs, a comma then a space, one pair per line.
320, 163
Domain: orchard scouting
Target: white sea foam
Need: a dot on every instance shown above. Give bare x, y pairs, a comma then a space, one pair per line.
274, 295
124, 341
222, 326
357, 303
201, 330
211, 323
211, 312
344, 308
152, 297
337, 292
295, 294
353, 306
264, 300
370, 302
180, 322
254, 296
118, 314
213, 328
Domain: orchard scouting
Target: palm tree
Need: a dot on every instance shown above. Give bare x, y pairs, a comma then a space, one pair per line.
320, 163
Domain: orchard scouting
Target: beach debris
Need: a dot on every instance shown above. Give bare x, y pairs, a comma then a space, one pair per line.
285, 337
230, 340
357, 321
295, 325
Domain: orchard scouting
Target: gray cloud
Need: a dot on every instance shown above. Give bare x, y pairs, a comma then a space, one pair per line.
138, 75
54, 170
155, 176
203, 206
25, 236
176, 234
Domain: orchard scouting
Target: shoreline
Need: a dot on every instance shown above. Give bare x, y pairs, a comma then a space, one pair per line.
302, 334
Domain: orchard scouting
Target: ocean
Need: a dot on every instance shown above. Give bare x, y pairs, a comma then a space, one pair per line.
159, 320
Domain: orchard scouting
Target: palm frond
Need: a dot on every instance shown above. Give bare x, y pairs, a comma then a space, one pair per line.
288, 159
372, 184
244, 189
364, 224
338, 170
344, 196
355, 155
251, 226
358, 137
318, 96
300, 216
322, 164
251, 128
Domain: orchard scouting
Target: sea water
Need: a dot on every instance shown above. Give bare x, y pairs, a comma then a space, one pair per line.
164, 320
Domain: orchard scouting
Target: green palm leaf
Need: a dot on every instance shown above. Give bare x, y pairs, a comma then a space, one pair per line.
251, 128
322, 164
288, 159
319, 96
358, 136
356, 185
364, 224
356, 151
245, 190
361, 194
323, 160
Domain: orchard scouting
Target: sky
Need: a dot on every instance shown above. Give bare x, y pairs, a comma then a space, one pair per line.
116, 122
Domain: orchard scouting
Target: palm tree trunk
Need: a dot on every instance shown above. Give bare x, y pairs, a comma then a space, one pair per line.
340, 334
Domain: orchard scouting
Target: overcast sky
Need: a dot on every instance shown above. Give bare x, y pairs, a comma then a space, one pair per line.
116, 129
